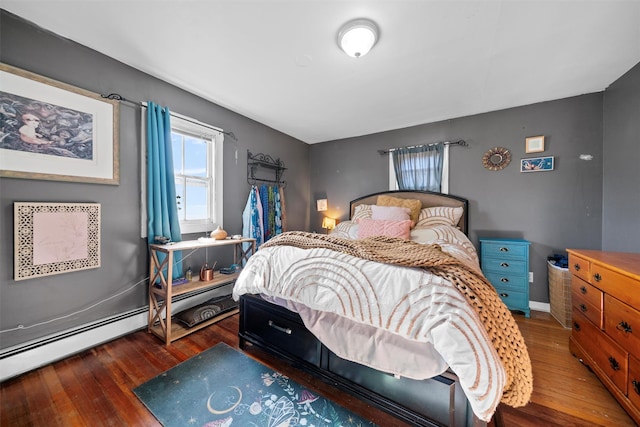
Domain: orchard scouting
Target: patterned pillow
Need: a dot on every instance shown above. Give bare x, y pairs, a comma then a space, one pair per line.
346, 230
439, 215
384, 227
414, 204
395, 213
361, 211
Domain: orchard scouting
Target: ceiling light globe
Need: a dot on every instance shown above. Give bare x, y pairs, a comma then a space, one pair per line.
357, 37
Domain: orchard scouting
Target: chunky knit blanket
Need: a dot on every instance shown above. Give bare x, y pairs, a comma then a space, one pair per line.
480, 294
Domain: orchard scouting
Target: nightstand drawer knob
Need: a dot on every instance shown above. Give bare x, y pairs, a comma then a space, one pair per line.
624, 327
576, 326
583, 308
583, 290
503, 249
614, 363
504, 295
287, 331
504, 280
597, 277
576, 267
504, 264
636, 386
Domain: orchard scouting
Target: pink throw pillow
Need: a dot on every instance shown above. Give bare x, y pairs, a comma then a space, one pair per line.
384, 227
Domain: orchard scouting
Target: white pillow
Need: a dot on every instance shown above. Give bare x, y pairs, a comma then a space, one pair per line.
439, 215
394, 213
361, 211
345, 229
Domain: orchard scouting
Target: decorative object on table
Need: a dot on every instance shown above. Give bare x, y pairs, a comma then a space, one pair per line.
54, 238
218, 234
534, 144
163, 240
496, 158
57, 131
536, 164
207, 310
189, 274
230, 270
206, 273
221, 386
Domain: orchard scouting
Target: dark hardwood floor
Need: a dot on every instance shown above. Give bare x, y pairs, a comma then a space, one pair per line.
94, 388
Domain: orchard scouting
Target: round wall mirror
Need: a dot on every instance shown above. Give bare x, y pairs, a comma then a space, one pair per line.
496, 158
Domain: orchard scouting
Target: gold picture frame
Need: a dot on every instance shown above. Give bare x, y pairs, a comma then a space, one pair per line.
534, 144
54, 131
55, 238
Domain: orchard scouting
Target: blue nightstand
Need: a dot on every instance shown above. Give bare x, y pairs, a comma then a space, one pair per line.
505, 262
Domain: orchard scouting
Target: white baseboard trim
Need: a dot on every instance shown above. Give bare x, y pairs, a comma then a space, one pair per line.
540, 306
32, 355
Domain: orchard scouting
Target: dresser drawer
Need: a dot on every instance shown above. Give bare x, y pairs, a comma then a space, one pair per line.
590, 311
513, 299
507, 281
622, 323
624, 288
271, 323
586, 292
504, 249
607, 355
506, 266
580, 267
633, 392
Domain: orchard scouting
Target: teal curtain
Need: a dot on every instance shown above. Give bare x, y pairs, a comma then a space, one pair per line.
162, 211
419, 168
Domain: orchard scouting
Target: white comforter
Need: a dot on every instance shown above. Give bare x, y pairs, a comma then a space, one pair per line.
401, 320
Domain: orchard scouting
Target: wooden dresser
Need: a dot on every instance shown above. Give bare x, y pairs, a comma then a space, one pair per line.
605, 293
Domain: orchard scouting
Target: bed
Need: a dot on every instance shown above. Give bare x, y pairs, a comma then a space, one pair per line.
392, 307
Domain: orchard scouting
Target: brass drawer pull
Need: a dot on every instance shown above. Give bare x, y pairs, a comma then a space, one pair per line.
504, 264
597, 277
504, 295
576, 326
614, 363
287, 331
583, 290
503, 249
583, 308
636, 386
504, 280
576, 267
624, 327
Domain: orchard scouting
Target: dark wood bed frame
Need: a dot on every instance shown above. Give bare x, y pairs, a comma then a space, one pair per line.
437, 401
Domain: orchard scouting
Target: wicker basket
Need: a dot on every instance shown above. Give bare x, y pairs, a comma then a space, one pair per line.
560, 294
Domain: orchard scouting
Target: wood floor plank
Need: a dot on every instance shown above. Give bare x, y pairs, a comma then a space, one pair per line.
95, 387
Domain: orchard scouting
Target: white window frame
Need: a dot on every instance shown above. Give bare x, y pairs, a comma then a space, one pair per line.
444, 184
215, 136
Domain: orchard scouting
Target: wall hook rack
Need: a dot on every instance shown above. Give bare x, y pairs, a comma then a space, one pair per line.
260, 160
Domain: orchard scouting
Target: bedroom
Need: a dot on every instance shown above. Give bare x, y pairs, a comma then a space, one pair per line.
581, 204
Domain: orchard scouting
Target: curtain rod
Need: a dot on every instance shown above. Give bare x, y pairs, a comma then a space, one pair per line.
118, 97
460, 142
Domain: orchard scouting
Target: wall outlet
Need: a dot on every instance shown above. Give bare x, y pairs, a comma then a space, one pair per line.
531, 277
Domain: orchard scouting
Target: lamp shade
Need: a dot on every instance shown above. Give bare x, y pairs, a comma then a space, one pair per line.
357, 37
328, 223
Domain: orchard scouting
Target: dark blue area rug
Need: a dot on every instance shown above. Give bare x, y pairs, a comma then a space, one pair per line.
223, 387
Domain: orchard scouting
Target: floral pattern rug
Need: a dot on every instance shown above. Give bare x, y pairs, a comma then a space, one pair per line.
223, 387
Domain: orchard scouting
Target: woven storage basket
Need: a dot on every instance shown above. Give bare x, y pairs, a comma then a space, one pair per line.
560, 294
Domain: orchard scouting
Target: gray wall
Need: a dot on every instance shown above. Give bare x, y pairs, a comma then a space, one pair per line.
554, 210
124, 253
621, 158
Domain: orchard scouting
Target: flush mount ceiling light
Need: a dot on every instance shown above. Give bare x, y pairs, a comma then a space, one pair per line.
357, 37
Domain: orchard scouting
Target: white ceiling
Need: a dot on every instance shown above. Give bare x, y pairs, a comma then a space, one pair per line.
277, 61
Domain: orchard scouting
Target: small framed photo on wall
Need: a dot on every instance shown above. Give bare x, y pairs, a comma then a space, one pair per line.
534, 144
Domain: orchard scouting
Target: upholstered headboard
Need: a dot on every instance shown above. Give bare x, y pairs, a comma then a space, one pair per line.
428, 199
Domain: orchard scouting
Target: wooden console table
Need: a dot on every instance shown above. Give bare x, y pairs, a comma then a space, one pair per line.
162, 289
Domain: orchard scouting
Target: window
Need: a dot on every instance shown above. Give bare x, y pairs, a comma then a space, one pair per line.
197, 168
444, 184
